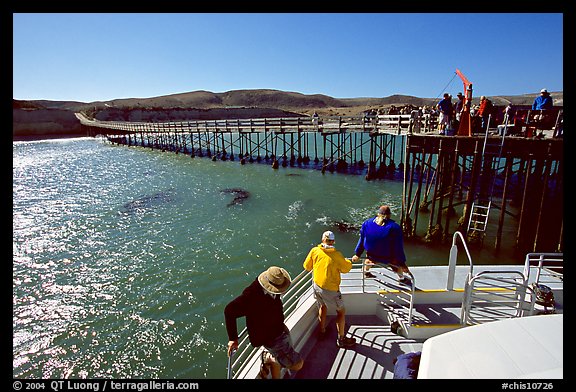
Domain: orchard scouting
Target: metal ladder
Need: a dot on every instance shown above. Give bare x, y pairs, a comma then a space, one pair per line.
479, 217
491, 152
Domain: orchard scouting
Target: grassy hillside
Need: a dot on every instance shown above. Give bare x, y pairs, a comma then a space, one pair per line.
56, 118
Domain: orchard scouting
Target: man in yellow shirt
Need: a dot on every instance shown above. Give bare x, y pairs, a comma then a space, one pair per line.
328, 263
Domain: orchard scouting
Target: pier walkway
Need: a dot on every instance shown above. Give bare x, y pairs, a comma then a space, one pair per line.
390, 124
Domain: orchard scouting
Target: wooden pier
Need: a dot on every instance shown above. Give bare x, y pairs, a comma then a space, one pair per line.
440, 174
445, 172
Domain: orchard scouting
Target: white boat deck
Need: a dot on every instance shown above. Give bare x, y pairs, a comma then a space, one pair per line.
370, 310
376, 345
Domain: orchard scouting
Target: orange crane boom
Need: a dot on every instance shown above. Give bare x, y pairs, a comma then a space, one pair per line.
465, 127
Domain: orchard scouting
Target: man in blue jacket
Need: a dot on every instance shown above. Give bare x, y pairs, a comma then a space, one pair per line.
544, 101
445, 110
381, 237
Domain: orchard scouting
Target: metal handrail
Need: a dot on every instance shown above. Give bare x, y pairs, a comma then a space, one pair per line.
504, 290
229, 372
410, 292
453, 258
544, 260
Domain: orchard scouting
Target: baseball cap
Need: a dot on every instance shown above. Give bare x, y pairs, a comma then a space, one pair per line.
328, 235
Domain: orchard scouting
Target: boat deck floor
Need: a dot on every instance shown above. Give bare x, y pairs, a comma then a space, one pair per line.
371, 358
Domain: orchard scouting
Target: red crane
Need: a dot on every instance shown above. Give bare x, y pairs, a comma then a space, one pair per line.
465, 127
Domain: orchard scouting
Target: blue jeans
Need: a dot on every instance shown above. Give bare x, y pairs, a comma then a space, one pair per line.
484, 122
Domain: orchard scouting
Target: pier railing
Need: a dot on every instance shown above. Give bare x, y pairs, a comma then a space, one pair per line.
392, 124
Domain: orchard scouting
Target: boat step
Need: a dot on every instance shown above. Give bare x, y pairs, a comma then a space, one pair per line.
427, 319
426, 314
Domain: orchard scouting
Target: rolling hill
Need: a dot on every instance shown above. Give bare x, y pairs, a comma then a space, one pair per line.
39, 118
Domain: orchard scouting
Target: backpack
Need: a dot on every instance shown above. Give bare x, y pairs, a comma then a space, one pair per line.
406, 365
544, 295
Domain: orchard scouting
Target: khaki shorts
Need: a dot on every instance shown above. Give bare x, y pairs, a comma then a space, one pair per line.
326, 297
283, 350
443, 118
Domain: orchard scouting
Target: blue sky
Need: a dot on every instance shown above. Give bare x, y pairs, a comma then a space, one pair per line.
103, 56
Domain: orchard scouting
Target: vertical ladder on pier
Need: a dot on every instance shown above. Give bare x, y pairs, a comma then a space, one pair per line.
479, 216
491, 154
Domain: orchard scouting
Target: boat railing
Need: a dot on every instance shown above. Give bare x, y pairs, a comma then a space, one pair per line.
454, 258
292, 299
549, 267
495, 295
230, 358
383, 284
239, 357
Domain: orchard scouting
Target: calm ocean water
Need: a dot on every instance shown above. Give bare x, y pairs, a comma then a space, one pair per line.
124, 258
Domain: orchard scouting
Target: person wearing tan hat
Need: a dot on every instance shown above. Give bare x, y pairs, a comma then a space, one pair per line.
327, 264
381, 238
262, 306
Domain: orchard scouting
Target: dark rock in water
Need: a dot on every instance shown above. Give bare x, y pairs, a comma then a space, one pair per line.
346, 227
147, 202
239, 195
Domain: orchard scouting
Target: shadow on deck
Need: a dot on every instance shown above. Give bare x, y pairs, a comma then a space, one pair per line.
371, 358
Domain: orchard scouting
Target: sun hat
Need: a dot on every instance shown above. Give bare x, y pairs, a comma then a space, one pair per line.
543, 90
328, 235
384, 210
275, 280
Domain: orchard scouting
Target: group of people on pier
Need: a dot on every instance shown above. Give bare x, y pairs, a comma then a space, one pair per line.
449, 114
261, 304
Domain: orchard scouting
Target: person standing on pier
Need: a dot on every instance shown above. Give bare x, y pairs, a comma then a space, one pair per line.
262, 306
327, 264
458, 109
381, 238
315, 120
445, 108
543, 101
484, 112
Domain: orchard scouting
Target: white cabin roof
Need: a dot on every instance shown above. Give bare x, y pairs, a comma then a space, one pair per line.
527, 347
